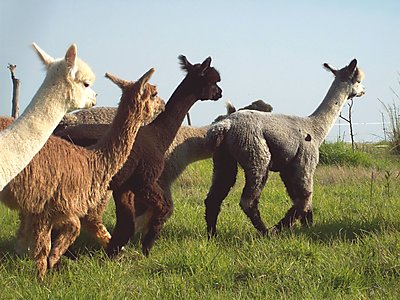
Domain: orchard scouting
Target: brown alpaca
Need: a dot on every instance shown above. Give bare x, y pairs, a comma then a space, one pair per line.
137, 182
64, 181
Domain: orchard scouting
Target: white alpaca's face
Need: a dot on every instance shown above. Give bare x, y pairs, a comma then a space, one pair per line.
76, 74
81, 95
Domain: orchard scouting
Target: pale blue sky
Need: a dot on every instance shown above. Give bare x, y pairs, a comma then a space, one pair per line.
271, 50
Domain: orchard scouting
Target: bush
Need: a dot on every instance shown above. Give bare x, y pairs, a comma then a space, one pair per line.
340, 153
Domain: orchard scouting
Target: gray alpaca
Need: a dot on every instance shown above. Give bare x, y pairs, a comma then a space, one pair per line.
262, 142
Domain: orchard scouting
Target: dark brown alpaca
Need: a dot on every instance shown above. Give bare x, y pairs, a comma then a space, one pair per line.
64, 181
137, 181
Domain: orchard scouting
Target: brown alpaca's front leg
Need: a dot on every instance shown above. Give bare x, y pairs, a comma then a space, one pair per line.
69, 230
41, 242
161, 209
24, 234
125, 225
97, 229
93, 222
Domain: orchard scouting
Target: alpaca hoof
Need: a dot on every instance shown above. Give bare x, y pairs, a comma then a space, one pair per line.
113, 252
146, 247
53, 265
211, 233
40, 275
307, 220
211, 236
274, 231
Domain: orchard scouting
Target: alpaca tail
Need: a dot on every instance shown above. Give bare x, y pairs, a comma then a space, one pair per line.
230, 108
216, 134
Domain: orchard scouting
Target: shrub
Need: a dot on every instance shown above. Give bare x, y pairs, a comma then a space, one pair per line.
340, 153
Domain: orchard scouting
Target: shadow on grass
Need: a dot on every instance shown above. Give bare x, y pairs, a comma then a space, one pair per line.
7, 248
347, 231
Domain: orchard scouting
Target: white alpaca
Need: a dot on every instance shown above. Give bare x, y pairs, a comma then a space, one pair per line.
65, 88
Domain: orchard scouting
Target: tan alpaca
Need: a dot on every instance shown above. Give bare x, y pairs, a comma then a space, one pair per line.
64, 181
65, 88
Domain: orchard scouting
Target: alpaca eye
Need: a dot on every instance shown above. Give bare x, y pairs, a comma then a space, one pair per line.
153, 95
85, 84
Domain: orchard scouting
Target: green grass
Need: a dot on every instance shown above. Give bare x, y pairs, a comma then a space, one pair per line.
352, 251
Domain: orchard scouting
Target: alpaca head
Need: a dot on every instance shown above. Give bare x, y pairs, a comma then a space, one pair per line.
72, 75
351, 75
204, 77
151, 103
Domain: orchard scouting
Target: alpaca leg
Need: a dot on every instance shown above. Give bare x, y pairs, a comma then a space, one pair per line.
93, 222
224, 177
41, 243
306, 218
125, 225
161, 210
97, 229
69, 230
24, 235
301, 187
251, 196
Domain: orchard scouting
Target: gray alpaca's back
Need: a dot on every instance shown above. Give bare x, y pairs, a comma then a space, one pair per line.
253, 134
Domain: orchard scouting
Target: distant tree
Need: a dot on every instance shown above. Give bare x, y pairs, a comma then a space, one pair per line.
15, 95
349, 120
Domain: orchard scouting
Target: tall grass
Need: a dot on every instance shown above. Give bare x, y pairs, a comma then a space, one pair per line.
393, 115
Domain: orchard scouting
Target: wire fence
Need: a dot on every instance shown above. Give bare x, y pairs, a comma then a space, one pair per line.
363, 132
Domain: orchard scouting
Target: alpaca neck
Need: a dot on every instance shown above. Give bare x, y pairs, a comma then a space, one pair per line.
192, 148
168, 122
20, 142
115, 146
324, 117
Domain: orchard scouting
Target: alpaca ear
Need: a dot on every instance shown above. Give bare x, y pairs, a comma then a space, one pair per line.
71, 59
118, 81
205, 65
185, 64
351, 68
46, 59
330, 68
144, 79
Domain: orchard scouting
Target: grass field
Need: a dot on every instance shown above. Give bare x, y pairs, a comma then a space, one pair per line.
352, 251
